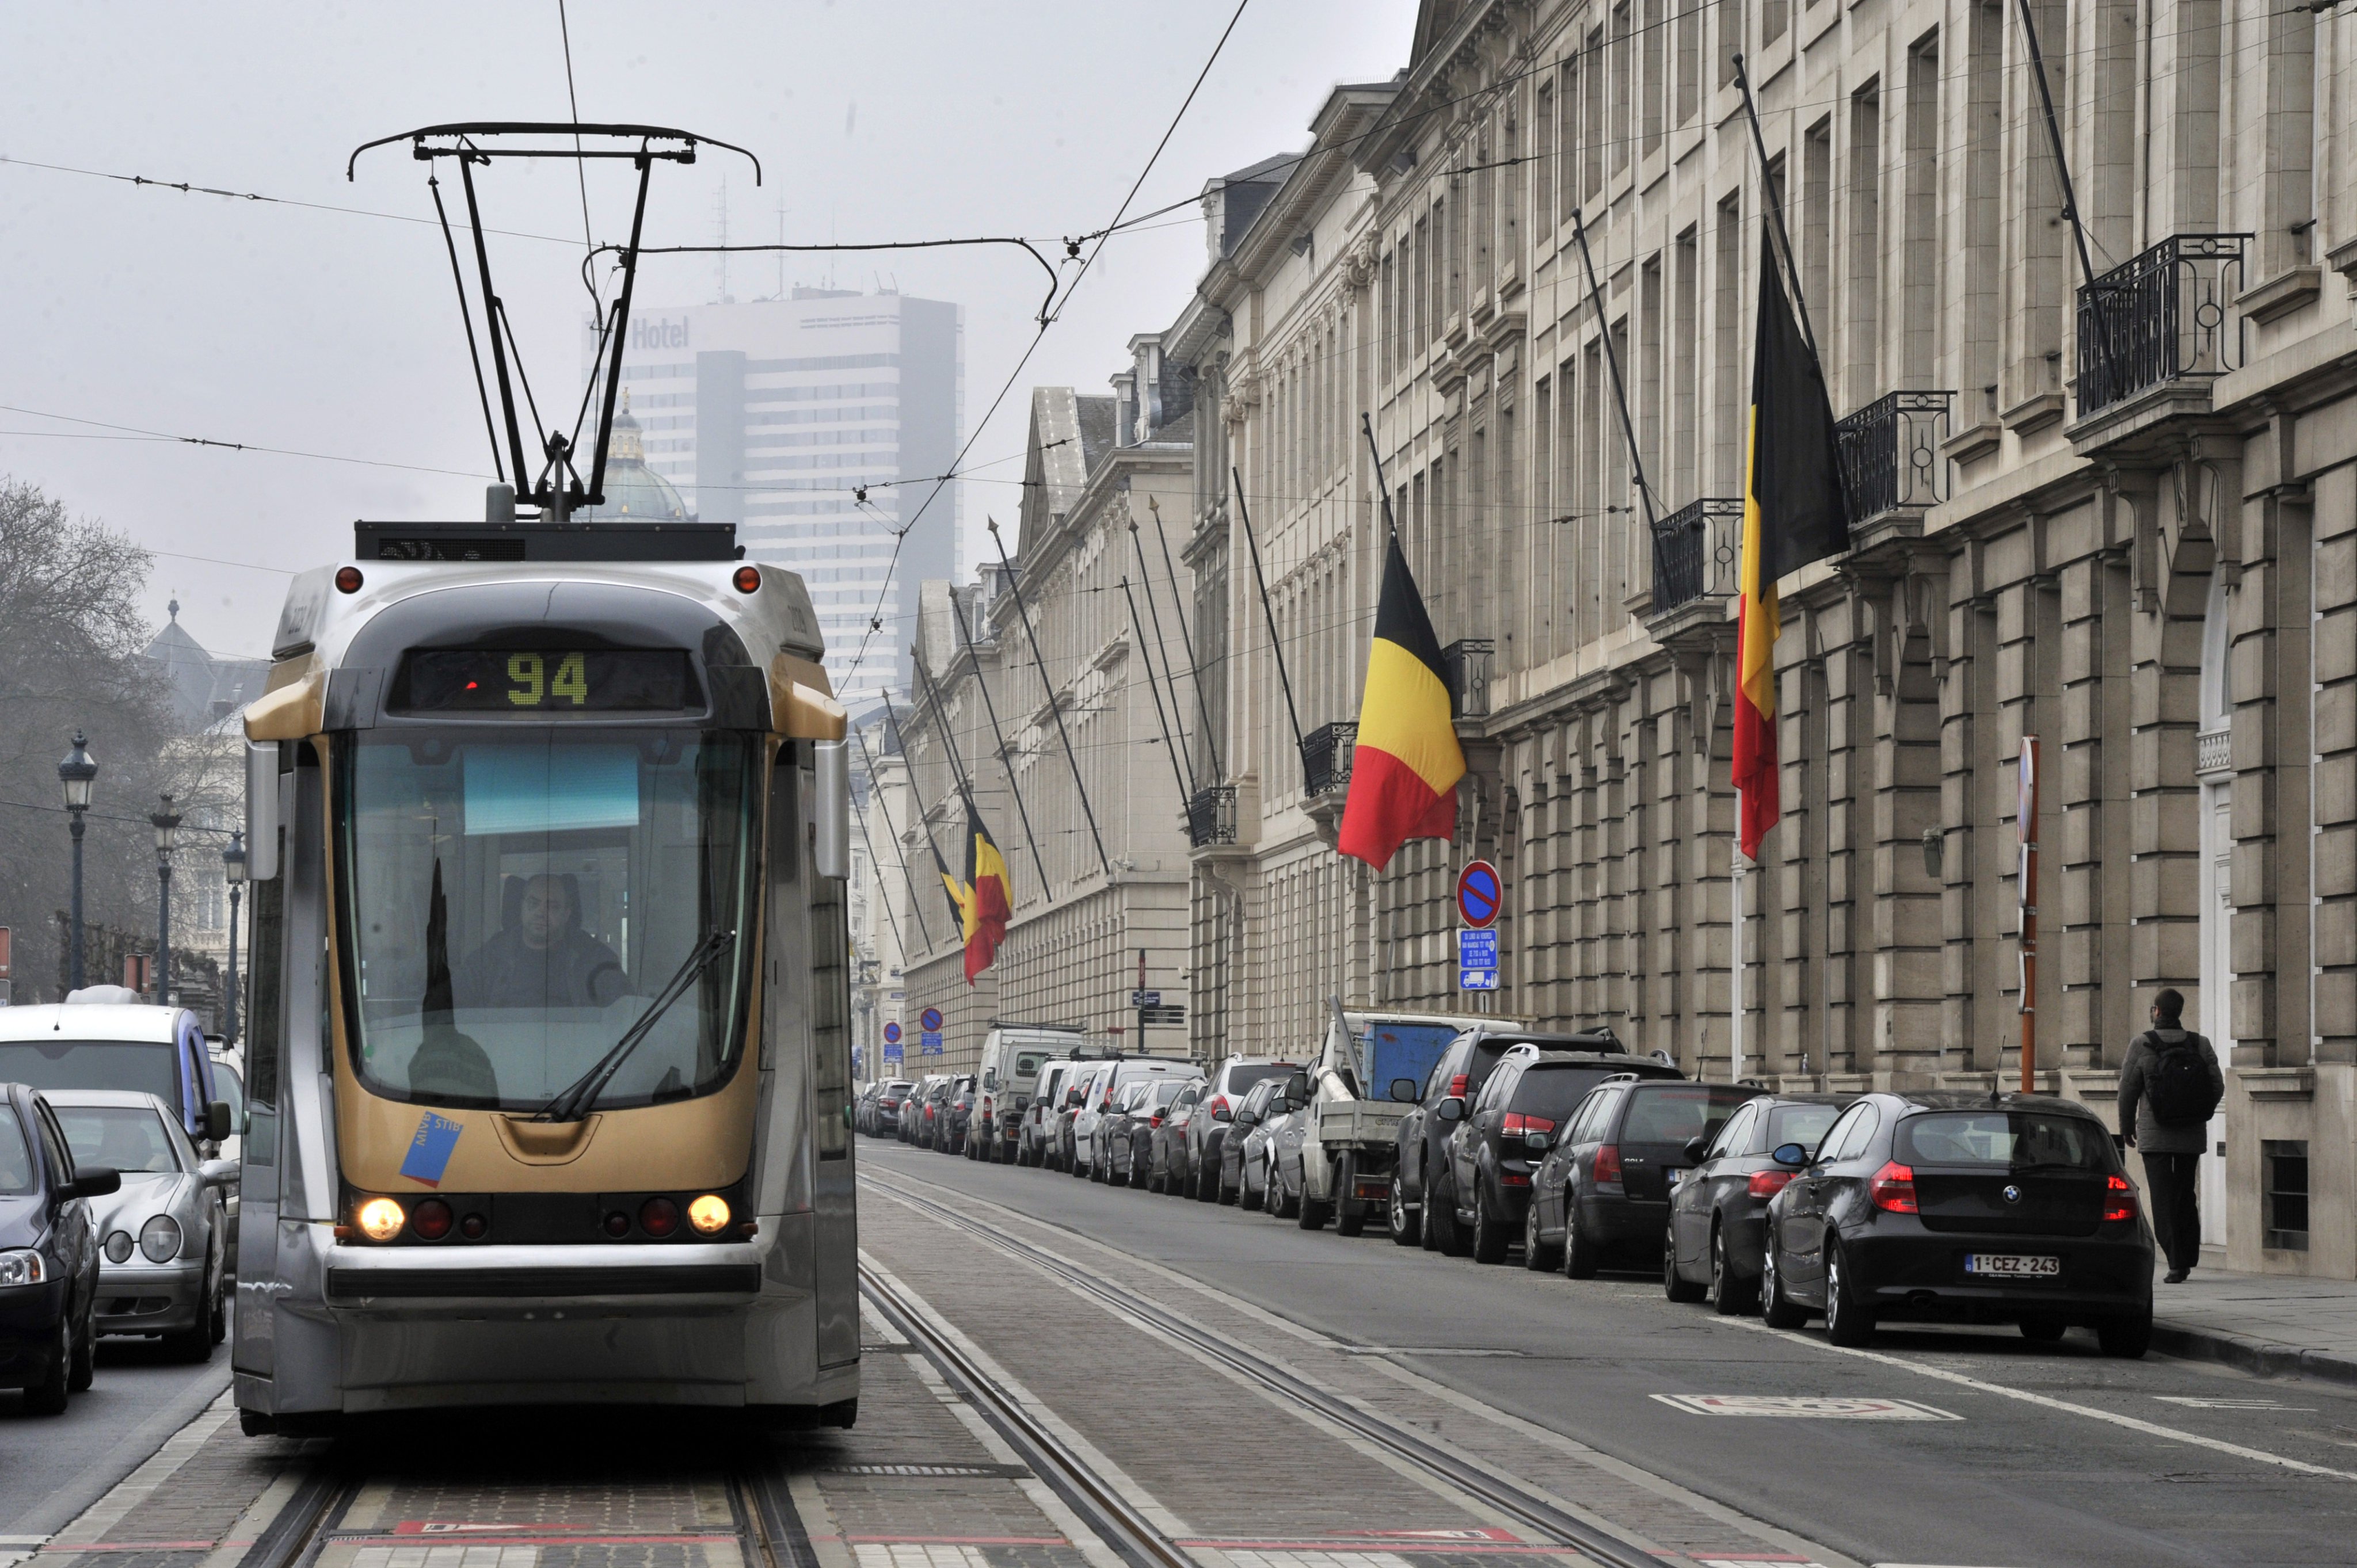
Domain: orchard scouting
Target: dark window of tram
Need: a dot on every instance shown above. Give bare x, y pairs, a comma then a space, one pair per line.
264, 1015
830, 1000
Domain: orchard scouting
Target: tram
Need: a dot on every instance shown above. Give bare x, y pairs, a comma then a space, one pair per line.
549, 1058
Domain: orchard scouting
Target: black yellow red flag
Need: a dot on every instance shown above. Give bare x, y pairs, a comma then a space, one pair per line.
1404, 770
987, 902
1794, 512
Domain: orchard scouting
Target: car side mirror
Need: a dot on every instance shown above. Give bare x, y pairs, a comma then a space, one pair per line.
1403, 1090
1247, 1118
1451, 1108
217, 1121
93, 1181
1696, 1149
218, 1172
1793, 1155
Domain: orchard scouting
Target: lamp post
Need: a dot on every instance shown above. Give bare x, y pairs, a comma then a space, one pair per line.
167, 833
77, 773
232, 873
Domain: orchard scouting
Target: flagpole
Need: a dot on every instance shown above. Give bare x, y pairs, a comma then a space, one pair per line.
917, 796
1276, 648
1775, 209
1162, 650
916, 906
1612, 362
1159, 718
1735, 970
999, 735
2069, 200
1186, 641
1055, 708
1382, 489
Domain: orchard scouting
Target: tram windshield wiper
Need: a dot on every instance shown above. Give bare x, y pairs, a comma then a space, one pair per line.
575, 1100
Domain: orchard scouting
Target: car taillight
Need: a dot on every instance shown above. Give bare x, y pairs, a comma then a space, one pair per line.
1154, 1121
1608, 1164
1517, 1122
1220, 1106
2119, 1198
1767, 1184
1893, 1188
985, 1108
1513, 1178
1457, 1084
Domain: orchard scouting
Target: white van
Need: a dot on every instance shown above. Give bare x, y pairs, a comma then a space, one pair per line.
113, 1043
1012, 1055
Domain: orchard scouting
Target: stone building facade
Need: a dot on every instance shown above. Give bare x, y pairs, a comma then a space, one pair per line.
1097, 849
2119, 516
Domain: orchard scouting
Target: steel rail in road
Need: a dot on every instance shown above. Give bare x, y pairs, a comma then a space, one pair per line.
1112, 1517
1525, 1508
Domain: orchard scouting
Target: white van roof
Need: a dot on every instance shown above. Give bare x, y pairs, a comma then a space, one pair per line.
94, 1021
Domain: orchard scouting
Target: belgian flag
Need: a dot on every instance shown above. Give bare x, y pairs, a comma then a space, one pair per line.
981, 900
1405, 771
1794, 511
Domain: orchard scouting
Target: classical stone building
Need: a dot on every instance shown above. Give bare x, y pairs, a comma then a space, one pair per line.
2117, 515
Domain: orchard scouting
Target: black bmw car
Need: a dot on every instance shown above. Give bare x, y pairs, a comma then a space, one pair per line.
1964, 1206
49, 1255
1718, 1209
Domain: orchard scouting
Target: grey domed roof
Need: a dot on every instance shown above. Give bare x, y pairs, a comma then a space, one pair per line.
633, 491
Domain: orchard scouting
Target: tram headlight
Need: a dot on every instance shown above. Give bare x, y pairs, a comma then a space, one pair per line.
380, 1218
709, 1214
159, 1238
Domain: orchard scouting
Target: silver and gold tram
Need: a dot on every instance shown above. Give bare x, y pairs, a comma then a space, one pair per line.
549, 1055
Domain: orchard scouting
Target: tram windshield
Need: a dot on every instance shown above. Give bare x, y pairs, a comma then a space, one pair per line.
515, 903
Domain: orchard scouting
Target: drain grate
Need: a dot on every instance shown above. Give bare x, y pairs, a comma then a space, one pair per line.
986, 1472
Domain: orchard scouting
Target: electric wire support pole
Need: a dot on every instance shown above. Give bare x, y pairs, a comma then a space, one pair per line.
1054, 707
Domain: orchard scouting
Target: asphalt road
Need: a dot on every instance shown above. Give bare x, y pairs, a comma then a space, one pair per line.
51, 1468
2022, 1455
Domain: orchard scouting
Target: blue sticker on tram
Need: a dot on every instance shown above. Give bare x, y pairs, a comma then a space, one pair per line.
430, 1150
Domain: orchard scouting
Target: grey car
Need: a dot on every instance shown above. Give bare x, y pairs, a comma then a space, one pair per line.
164, 1261
1274, 1136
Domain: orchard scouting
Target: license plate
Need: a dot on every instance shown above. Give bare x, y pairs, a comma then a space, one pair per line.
2012, 1265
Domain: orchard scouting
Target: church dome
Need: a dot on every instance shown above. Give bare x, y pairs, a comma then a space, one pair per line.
634, 492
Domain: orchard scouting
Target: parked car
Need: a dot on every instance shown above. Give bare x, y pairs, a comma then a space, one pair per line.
954, 1113
1422, 1208
1370, 1071
1947, 1205
1033, 1135
103, 1037
1272, 1147
1206, 1130
926, 1106
1111, 1133
49, 1255
1603, 1191
1500, 1137
1129, 1136
1165, 1146
1105, 1089
1012, 1057
1718, 1209
1083, 1092
883, 1109
1228, 1177
165, 1262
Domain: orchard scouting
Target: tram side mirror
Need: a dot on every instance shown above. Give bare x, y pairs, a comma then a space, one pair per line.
261, 811
830, 838
217, 1121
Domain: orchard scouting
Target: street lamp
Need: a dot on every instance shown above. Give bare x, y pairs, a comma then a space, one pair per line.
232, 873
167, 833
77, 773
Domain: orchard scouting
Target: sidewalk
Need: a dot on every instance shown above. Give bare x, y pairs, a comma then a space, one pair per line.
2271, 1325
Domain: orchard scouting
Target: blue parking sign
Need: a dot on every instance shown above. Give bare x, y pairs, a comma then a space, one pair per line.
1476, 959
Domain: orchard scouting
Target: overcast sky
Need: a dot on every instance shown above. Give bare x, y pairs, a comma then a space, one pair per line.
330, 333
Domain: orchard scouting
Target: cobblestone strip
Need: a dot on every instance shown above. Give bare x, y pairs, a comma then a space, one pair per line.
1619, 1497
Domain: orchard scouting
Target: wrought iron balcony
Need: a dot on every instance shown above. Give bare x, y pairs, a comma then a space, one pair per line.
1695, 548
1467, 661
1891, 453
2161, 316
1325, 754
1211, 816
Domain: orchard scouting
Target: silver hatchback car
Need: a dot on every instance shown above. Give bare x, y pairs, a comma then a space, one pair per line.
164, 1262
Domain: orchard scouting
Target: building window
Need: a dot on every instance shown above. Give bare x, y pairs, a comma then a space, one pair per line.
2283, 1193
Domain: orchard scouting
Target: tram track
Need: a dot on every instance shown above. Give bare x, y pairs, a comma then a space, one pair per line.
1529, 1512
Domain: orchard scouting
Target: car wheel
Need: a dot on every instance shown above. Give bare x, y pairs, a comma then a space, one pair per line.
1848, 1323
1405, 1231
2125, 1339
2042, 1330
1221, 1191
1284, 1205
1313, 1213
1581, 1256
1536, 1254
1489, 1239
1442, 1234
48, 1397
1777, 1310
85, 1353
1729, 1295
1675, 1285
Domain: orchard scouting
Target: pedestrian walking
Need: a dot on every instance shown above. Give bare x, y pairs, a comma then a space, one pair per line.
2169, 1087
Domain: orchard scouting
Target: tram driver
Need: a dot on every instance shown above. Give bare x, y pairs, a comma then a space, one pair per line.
543, 959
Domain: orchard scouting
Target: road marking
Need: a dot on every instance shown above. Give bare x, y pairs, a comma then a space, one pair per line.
2047, 1401
451, 1556
1421, 1350
1814, 1407
2199, 1401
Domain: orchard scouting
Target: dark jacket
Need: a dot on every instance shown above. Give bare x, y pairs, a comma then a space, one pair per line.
2135, 1111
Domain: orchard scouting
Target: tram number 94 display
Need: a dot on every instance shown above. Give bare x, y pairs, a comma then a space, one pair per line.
542, 681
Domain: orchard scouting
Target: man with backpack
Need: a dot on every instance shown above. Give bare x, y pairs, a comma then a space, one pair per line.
2169, 1087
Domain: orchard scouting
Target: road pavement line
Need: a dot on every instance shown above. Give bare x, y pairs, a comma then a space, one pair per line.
1763, 1530
2134, 1423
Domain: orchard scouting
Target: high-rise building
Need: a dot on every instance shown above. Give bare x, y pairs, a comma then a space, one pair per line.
817, 424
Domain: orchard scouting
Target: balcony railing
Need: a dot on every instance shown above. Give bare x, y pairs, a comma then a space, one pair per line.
2161, 316
1211, 816
1326, 757
1695, 551
1891, 453
1467, 661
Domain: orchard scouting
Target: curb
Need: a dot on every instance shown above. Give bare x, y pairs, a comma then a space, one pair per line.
2260, 1358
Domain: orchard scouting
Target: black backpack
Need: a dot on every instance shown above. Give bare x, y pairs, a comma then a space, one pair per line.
2178, 1086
